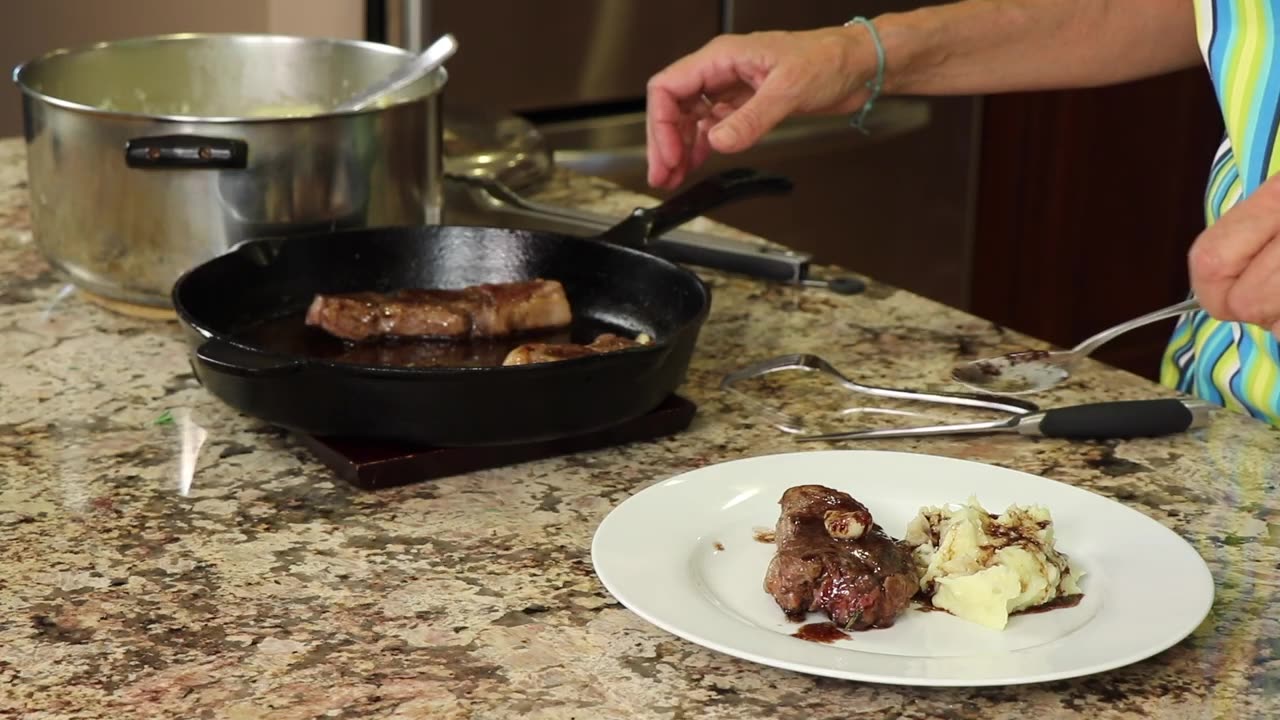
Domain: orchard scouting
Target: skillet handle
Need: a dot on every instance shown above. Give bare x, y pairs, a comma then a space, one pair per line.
235, 360
710, 193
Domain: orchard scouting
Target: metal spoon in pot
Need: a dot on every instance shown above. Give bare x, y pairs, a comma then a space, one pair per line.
424, 64
1031, 371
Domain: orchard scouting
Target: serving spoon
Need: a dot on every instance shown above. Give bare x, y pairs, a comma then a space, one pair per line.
425, 63
1029, 371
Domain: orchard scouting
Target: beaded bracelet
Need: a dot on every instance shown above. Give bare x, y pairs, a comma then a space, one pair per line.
876, 83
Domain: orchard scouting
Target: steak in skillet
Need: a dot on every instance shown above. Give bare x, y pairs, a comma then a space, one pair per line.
539, 352
831, 557
478, 311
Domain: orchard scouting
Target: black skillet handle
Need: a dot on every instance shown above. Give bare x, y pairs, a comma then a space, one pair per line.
708, 194
231, 359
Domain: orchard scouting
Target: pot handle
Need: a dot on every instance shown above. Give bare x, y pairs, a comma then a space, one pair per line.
186, 151
236, 360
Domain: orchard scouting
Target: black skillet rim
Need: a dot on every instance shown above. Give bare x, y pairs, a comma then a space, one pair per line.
659, 345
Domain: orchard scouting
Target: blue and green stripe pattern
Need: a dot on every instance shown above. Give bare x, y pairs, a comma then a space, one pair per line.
1233, 364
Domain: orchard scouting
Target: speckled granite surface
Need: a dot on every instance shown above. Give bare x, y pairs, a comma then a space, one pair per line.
257, 585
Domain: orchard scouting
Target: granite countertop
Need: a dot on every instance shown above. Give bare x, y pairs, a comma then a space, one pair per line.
211, 567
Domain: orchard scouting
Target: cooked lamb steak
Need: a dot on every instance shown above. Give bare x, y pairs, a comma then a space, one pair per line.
538, 352
478, 311
424, 353
831, 557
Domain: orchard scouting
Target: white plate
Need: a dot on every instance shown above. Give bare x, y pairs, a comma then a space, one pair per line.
659, 553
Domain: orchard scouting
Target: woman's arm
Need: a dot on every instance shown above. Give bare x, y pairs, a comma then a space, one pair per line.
990, 46
726, 95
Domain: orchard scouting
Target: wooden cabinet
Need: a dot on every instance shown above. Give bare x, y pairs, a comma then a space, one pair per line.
1087, 202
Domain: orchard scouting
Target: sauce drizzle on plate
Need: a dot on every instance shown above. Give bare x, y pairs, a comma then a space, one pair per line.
823, 632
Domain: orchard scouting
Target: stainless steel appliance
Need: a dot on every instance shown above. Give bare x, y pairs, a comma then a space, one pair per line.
896, 204
151, 155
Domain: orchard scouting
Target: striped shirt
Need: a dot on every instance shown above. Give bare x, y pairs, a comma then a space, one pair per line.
1231, 364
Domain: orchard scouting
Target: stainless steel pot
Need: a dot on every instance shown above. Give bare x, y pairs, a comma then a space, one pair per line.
149, 156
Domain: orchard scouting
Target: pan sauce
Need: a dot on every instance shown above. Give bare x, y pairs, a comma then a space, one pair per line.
289, 334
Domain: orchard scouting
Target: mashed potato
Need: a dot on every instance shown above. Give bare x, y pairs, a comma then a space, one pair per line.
982, 567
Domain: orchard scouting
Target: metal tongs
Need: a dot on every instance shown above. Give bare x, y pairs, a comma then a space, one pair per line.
1116, 419
812, 363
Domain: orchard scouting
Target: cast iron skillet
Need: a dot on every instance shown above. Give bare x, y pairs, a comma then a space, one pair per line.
242, 316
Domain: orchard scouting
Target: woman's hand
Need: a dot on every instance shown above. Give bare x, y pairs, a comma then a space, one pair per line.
724, 96
736, 88
1235, 263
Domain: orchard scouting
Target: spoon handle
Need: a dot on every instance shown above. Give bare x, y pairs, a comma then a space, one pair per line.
1088, 345
431, 58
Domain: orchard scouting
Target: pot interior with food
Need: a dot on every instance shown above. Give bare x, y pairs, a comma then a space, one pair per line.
218, 76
